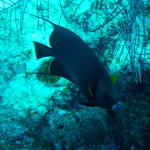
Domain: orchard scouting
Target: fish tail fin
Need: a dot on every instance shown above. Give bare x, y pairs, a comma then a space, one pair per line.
43, 50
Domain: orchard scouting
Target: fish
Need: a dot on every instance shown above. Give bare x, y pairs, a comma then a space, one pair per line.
75, 61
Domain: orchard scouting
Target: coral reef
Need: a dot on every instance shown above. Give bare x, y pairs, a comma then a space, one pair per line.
40, 111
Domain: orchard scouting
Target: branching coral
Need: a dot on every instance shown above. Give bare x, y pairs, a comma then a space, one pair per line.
12, 16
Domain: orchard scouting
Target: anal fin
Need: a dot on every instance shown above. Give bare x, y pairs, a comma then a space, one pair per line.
56, 68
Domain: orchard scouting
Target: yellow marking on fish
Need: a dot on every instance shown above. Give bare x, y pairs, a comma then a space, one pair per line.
65, 90
114, 78
90, 91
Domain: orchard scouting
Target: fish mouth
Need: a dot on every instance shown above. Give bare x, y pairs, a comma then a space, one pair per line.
117, 106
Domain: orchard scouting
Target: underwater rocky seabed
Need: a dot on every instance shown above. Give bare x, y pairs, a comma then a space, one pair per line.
38, 112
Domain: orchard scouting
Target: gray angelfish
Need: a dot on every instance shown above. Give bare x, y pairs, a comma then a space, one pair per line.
75, 61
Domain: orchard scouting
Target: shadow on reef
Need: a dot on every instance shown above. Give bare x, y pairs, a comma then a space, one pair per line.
131, 125
65, 127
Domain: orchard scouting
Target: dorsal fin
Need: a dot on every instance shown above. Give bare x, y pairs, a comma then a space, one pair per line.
43, 50
62, 37
55, 38
44, 19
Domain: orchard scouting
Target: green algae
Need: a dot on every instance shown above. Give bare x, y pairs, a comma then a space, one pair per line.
44, 74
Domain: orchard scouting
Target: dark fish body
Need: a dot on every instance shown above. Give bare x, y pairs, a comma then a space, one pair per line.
75, 61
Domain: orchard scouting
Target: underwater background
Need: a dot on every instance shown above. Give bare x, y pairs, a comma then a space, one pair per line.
39, 111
